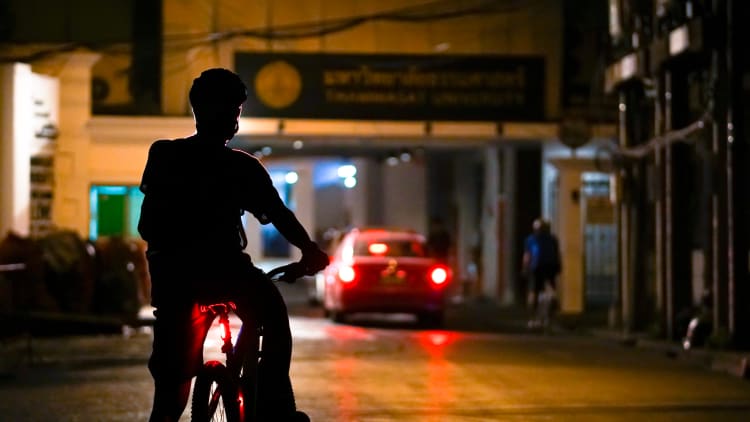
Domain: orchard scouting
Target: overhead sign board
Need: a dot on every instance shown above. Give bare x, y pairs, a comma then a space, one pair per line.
393, 87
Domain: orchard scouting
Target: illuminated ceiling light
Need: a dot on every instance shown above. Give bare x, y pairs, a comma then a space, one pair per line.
405, 156
443, 46
298, 144
350, 182
392, 160
347, 170
291, 177
266, 150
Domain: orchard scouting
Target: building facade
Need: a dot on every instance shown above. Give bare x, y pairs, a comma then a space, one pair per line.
678, 69
478, 113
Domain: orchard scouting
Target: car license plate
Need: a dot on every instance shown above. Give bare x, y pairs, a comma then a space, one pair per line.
391, 279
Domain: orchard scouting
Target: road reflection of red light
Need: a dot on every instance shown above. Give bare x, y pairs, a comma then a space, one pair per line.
440, 387
347, 403
440, 382
435, 342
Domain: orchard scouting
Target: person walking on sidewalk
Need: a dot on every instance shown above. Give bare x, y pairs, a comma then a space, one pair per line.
541, 266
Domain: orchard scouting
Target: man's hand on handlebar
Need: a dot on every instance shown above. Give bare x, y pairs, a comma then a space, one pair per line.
314, 259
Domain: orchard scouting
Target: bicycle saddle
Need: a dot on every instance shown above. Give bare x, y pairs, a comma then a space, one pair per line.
219, 308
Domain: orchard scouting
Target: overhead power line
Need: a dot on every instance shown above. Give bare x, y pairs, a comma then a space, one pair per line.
432, 11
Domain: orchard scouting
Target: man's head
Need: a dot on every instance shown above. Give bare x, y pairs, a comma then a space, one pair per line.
540, 225
216, 97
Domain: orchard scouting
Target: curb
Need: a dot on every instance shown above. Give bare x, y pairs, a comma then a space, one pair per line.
486, 315
131, 347
735, 363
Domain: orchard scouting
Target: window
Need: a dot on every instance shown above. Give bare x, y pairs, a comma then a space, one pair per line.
114, 211
388, 247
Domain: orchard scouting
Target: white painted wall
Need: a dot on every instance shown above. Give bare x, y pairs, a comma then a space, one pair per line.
17, 134
404, 199
29, 101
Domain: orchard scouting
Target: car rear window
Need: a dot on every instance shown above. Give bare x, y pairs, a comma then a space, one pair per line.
389, 247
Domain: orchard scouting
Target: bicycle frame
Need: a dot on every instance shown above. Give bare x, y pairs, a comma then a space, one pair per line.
239, 375
241, 358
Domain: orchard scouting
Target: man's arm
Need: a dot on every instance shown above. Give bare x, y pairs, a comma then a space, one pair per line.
526, 258
289, 226
148, 178
313, 258
272, 209
152, 164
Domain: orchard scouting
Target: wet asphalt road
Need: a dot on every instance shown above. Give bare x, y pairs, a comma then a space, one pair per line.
389, 370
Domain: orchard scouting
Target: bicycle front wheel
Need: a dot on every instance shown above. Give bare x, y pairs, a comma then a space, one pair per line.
215, 396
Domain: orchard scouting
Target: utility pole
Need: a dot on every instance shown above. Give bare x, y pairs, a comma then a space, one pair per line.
738, 204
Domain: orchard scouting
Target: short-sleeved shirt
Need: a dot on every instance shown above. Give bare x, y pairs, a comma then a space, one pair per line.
195, 193
544, 252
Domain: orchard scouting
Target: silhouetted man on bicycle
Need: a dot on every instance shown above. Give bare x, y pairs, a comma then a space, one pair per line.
196, 190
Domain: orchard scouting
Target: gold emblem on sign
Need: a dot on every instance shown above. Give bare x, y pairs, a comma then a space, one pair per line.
278, 84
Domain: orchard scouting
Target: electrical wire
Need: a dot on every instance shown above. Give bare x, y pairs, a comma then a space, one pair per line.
426, 12
683, 135
433, 11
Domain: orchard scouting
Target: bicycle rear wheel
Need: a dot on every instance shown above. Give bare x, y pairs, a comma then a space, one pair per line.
215, 396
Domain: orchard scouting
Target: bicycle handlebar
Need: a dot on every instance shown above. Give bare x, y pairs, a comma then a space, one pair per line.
288, 273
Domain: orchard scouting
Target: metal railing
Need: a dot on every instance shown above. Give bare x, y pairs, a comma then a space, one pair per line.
25, 340
12, 267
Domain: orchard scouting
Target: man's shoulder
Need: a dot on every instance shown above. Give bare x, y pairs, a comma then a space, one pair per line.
244, 160
160, 145
239, 154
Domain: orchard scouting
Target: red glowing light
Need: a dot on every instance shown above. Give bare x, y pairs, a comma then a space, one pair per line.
347, 274
436, 342
377, 248
439, 275
438, 339
241, 403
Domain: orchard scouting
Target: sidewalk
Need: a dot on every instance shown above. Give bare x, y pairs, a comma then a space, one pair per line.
485, 315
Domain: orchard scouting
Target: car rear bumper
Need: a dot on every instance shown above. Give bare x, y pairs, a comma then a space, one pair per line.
391, 301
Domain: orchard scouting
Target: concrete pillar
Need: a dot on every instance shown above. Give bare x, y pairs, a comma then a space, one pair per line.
254, 241
405, 200
303, 200
510, 265
467, 224
570, 232
365, 200
17, 133
489, 224
70, 209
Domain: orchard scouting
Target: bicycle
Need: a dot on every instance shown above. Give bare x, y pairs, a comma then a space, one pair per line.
218, 393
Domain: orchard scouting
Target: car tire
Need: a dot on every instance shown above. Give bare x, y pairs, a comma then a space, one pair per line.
431, 319
337, 316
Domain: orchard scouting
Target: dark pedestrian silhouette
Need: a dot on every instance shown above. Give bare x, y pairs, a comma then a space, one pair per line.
196, 189
541, 266
439, 242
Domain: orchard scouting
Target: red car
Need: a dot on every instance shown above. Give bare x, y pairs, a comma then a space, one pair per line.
379, 270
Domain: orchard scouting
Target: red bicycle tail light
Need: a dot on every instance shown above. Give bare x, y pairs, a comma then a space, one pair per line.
346, 274
241, 404
439, 275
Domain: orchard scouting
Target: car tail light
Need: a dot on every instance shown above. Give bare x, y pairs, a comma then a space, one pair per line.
439, 275
347, 274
